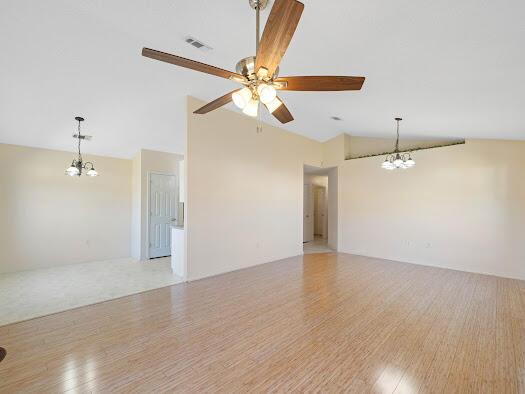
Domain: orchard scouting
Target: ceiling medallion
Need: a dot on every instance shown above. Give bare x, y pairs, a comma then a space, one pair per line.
76, 167
398, 159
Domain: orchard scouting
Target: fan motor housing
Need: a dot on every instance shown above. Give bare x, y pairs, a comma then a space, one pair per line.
246, 67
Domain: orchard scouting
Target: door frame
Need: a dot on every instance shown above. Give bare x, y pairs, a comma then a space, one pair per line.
148, 204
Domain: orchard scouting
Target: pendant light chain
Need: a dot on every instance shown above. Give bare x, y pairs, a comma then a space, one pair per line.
79, 140
397, 139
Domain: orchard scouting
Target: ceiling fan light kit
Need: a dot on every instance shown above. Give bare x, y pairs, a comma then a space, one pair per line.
259, 74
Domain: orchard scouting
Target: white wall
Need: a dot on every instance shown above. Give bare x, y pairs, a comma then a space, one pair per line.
461, 207
244, 191
49, 219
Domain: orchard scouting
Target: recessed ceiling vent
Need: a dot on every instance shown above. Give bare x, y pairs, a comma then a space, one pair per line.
336, 118
197, 44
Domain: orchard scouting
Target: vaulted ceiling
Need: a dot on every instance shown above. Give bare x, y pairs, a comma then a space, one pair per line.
451, 69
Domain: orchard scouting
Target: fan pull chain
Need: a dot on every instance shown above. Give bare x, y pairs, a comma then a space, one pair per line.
259, 119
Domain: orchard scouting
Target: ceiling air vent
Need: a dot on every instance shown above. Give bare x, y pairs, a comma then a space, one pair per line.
335, 118
197, 44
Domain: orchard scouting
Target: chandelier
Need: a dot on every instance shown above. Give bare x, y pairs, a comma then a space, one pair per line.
398, 159
76, 167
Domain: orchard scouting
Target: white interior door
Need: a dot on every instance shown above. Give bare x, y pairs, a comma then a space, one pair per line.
308, 214
163, 198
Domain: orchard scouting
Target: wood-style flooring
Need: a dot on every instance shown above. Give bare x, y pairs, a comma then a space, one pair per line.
316, 323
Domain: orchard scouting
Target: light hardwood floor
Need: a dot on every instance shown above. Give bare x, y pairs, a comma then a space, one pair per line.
323, 322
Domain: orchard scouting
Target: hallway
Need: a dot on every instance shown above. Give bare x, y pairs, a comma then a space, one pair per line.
318, 245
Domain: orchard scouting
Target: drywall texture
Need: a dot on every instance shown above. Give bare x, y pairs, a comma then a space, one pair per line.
50, 219
244, 191
461, 207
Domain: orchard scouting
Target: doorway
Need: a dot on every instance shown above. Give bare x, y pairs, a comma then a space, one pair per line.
319, 215
163, 203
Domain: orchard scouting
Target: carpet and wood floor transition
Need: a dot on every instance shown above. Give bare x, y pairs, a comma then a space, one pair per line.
320, 322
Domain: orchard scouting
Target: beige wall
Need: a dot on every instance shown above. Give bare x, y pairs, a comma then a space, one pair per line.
335, 150
144, 163
136, 207
461, 207
244, 192
333, 209
49, 219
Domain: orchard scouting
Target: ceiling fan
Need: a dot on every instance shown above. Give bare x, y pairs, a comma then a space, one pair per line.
259, 74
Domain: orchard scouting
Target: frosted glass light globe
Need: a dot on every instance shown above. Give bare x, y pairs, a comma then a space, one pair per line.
387, 165
251, 109
92, 172
410, 162
242, 97
398, 161
266, 93
274, 104
72, 171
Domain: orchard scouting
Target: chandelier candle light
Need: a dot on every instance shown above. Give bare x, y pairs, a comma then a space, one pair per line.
78, 164
398, 159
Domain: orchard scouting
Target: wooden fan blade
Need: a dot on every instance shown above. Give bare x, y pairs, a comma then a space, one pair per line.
320, 83
215, 103
187, 63
278, 33
282, 114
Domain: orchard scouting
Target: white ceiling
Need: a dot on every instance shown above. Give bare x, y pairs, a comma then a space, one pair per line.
451, 69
